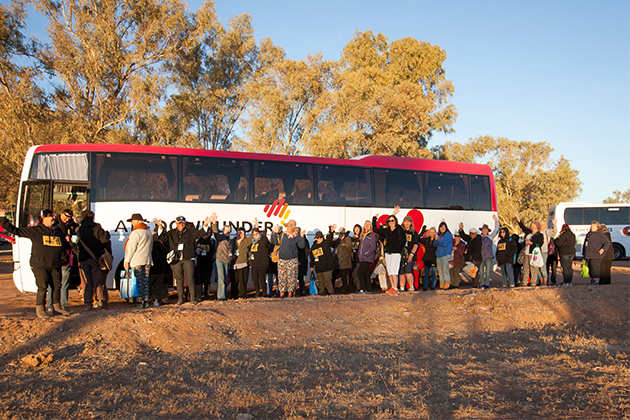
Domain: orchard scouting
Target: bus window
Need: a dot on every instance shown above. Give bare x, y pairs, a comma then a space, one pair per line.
69, 196
394, 187
35, 198
590, 214
447, 191
211, 180
288, 180
615, 216
60, 166
480, 192
346, 186
573, 216
134, 177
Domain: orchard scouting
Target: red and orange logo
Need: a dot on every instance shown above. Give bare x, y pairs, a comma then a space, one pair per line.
278, 208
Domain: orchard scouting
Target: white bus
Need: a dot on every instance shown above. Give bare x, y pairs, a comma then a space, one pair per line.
115, 180
579, 216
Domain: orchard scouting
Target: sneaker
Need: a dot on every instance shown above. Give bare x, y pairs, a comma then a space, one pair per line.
594, 283
180, 302
156, 303
412, 289
485, 286
367, 293
89, 307
401, 290
358, 292
392, 291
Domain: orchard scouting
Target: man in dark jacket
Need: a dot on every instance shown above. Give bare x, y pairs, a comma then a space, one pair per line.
48, 244
93, 242
473, 249
182, 240
322, 261
68, 227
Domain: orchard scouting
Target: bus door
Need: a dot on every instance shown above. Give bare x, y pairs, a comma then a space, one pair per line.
37, 196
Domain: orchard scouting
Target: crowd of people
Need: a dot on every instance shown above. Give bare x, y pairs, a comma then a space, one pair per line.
396, 256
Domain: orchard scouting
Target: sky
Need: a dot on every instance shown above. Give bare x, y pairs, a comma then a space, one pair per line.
538, 71
550, 71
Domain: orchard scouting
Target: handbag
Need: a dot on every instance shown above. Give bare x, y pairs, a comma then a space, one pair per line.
172, 257
537, 258
584, 271
128, 285
470, 269
106, 260
312, 288
521, 257
275, 254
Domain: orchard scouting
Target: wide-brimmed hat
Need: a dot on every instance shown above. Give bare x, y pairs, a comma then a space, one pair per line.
485, 226
136, 216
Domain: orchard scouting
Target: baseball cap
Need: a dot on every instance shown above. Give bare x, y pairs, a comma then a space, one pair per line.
180, 219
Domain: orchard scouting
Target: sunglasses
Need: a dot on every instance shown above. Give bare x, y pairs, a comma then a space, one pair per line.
391, 221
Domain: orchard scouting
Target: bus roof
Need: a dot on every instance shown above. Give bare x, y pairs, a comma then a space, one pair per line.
375, 161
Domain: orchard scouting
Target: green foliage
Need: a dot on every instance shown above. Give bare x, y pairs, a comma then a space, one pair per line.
528, 180
618, 197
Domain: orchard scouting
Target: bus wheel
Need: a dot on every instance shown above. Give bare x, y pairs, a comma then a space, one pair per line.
618, 251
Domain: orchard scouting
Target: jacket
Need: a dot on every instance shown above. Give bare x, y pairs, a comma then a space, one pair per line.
473, 247
259, 252
241, 251
95, 238
486, 242
139, 247
158, 256
593, 243
458, 254
48, 243
506, 249
186, 237
343, 248
394, 239
542, 241
288, 246
224, 245
430, 248
367, 248
565, 243
321, 255
444, 244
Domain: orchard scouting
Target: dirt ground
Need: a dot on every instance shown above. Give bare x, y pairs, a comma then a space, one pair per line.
525, 353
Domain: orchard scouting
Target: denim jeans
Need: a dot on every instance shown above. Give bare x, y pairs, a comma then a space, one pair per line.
222, 272
542, 271
442, 266
566, 261
507, 274
484, 272
429, 271
65, 285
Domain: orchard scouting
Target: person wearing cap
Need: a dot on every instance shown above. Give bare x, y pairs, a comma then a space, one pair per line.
289, 241
68, 226
473, 249
458, 260
48, 242
322, 262
182, 240
138, 249
487, 253
344, 251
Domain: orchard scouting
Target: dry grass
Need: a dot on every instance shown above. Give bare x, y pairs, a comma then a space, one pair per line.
423, 356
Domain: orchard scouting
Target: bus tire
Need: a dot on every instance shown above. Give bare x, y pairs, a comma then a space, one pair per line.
619, 251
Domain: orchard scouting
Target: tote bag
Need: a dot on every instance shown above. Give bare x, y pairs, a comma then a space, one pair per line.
128, 285
537, 258
312, 289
